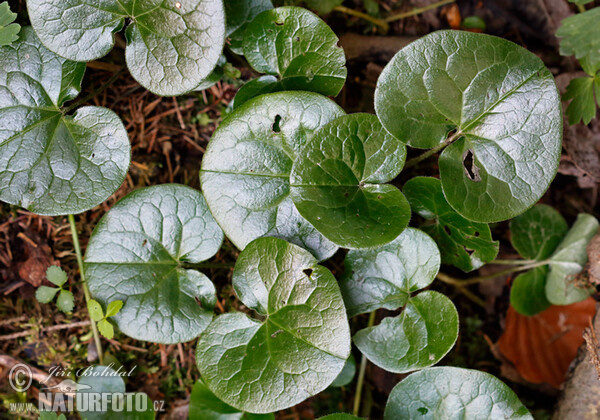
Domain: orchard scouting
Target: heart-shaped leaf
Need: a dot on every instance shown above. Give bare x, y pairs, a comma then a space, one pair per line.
563, 285
464, 244
239, 14
500, 101
536, 233
453, 393
338, 182
171, 46
528, 292
204, 405
51, 163
141, 252
298, 47
385, 277
299, 348
246, 168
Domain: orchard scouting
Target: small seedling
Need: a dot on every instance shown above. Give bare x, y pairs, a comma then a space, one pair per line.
44, 294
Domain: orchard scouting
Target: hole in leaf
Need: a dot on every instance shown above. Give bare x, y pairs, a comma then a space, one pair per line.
476, 234
423, 410
297, 39
308, 271
278, 23
276, 127
447, 230
469, 250
198, 301
471, 169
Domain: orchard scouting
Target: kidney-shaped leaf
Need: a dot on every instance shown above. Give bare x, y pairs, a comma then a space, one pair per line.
246, 169
299, 348
298, 47
171, 45
453, 393
528, 292
501, 101
338, 182
563, 284
385, 277
138, 253
51, 163
238, 15
464, 244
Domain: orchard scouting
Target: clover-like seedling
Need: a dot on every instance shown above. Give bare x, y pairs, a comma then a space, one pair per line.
8, 29
44, 294
388, 277
171, 45
97, 315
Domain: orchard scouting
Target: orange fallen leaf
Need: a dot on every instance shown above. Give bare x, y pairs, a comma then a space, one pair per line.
452, 15
542, 346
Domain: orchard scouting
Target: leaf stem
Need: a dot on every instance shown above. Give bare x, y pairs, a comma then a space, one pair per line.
418, 11
474, 280
379, 22
95, 92
512, 262
361, 372
581, 8
198, 266
418, 159
86, 291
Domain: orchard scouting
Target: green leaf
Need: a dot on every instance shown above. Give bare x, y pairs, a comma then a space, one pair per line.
536, 233
256, 87
583, 105
580, 1
54, 164
239, 14
474, 22
171, 46
246, 168
528, 292
338, 182
106, 329
56, 275
214, 77
300, 347
95, 310
419, 337
347, 374
8, 30
503, 104
385, 277
140, 252
323, 7
114, 307
563, 286
45, 294
453, 393
464, 244
298, 47
580, 35
65, 301
204, 405
341, 416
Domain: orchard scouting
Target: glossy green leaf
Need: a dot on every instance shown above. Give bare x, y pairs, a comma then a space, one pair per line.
246, 167
580, 36
142, 252
453, 393
501, 101
338, 182
106, 329
563, 286
65, 301
298, 47
171, 45
528, 292
256, 87
385, 277
465, 244
56, 275
54, 164
347, 374
114, 307
204, 405
323, 6
536, 233
8, 30
298, 349
95, 310
239, 14
583, 106
419, 337
45, 294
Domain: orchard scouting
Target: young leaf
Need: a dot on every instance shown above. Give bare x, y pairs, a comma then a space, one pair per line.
255, 87
385, 277
65, 301
56, 275
583, 105
45, 294
138, 253
580, 35
246, 168
204, 405
239, 14
419, 337
465, 244
528, 292
536, 233
106, 329
8, 29
248, 363
562, 284
503, 105
449, 392
95, 310
338, 182
171, 46
114, 307
54, 164
299, 48
347, 374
